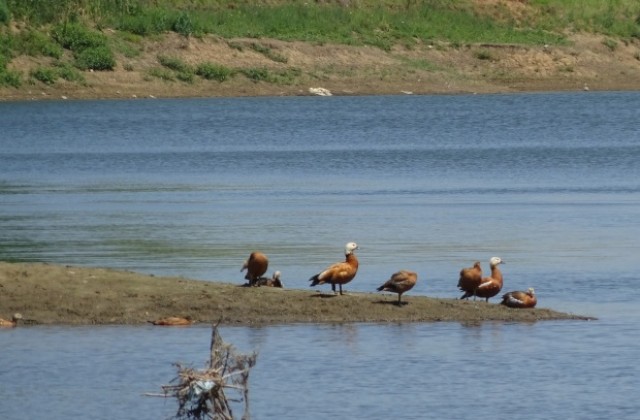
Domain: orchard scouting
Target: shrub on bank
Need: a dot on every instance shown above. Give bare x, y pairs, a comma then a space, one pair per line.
49, 75
35, 43
89, 47
5, 14
95, 58
77, 37
45, 75
10, 78
212, 71
7, 77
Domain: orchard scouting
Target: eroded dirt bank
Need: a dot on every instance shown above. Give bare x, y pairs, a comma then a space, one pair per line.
587, 63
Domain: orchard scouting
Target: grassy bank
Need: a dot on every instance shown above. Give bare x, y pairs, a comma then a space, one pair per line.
69, 38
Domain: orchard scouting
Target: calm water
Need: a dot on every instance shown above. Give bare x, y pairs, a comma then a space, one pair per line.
548, 182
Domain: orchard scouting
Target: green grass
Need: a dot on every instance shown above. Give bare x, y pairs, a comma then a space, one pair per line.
174, 63
181, 70
210, 71
381, 23
419, 64
10, 78
68, 72
45, 75
127, 44
374, 22
262, 74
619, 18
95, 58
59, 70
162, 74
36, 43
268, 52
78, 26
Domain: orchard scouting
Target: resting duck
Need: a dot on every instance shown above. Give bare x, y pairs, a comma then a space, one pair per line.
5, 323
470, 279
399, 283
256, 266
339, 273
491, 286
173, 321
520, 299
274, 281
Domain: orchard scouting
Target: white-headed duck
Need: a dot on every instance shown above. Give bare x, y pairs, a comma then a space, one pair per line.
520, 299
491, 286
5, 323
339, 273
274, 281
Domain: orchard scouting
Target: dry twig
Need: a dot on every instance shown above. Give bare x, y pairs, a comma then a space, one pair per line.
201, 393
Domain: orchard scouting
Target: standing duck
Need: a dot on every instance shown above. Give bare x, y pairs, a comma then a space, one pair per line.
470, 279
5, 323
520, 299
491, 286
339, 273
256, 266
399, 283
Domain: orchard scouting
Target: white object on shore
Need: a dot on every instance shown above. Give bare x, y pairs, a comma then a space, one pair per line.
320, 91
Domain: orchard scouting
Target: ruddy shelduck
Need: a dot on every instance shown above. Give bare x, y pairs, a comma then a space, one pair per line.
491, 286
520, 299
400, 282
5, 323
173, 321
470, 279
274, 281
256, 266
339, 273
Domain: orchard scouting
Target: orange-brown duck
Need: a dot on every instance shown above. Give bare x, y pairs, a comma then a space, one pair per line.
491, 286
470, 279
520, 299
12, 323
399, 283
339, 273
173, 321
256, 266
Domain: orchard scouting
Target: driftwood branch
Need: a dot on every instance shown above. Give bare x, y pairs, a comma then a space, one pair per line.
201, 393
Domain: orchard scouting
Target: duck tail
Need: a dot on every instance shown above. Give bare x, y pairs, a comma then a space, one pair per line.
466, 295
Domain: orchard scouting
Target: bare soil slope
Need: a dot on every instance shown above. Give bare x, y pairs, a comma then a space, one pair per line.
589, 62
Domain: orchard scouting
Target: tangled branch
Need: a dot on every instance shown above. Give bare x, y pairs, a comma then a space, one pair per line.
201, 393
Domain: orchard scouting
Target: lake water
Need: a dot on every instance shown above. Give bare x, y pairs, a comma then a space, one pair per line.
548, 182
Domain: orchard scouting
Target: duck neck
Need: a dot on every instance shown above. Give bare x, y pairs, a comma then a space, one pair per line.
496, 273
352, 260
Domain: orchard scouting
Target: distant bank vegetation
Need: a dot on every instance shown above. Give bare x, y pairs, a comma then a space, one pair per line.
73, 32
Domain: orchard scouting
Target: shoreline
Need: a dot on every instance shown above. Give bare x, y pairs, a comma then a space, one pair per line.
51, 294
586, 63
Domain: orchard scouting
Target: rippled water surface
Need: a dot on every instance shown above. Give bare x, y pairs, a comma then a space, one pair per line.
549, 182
